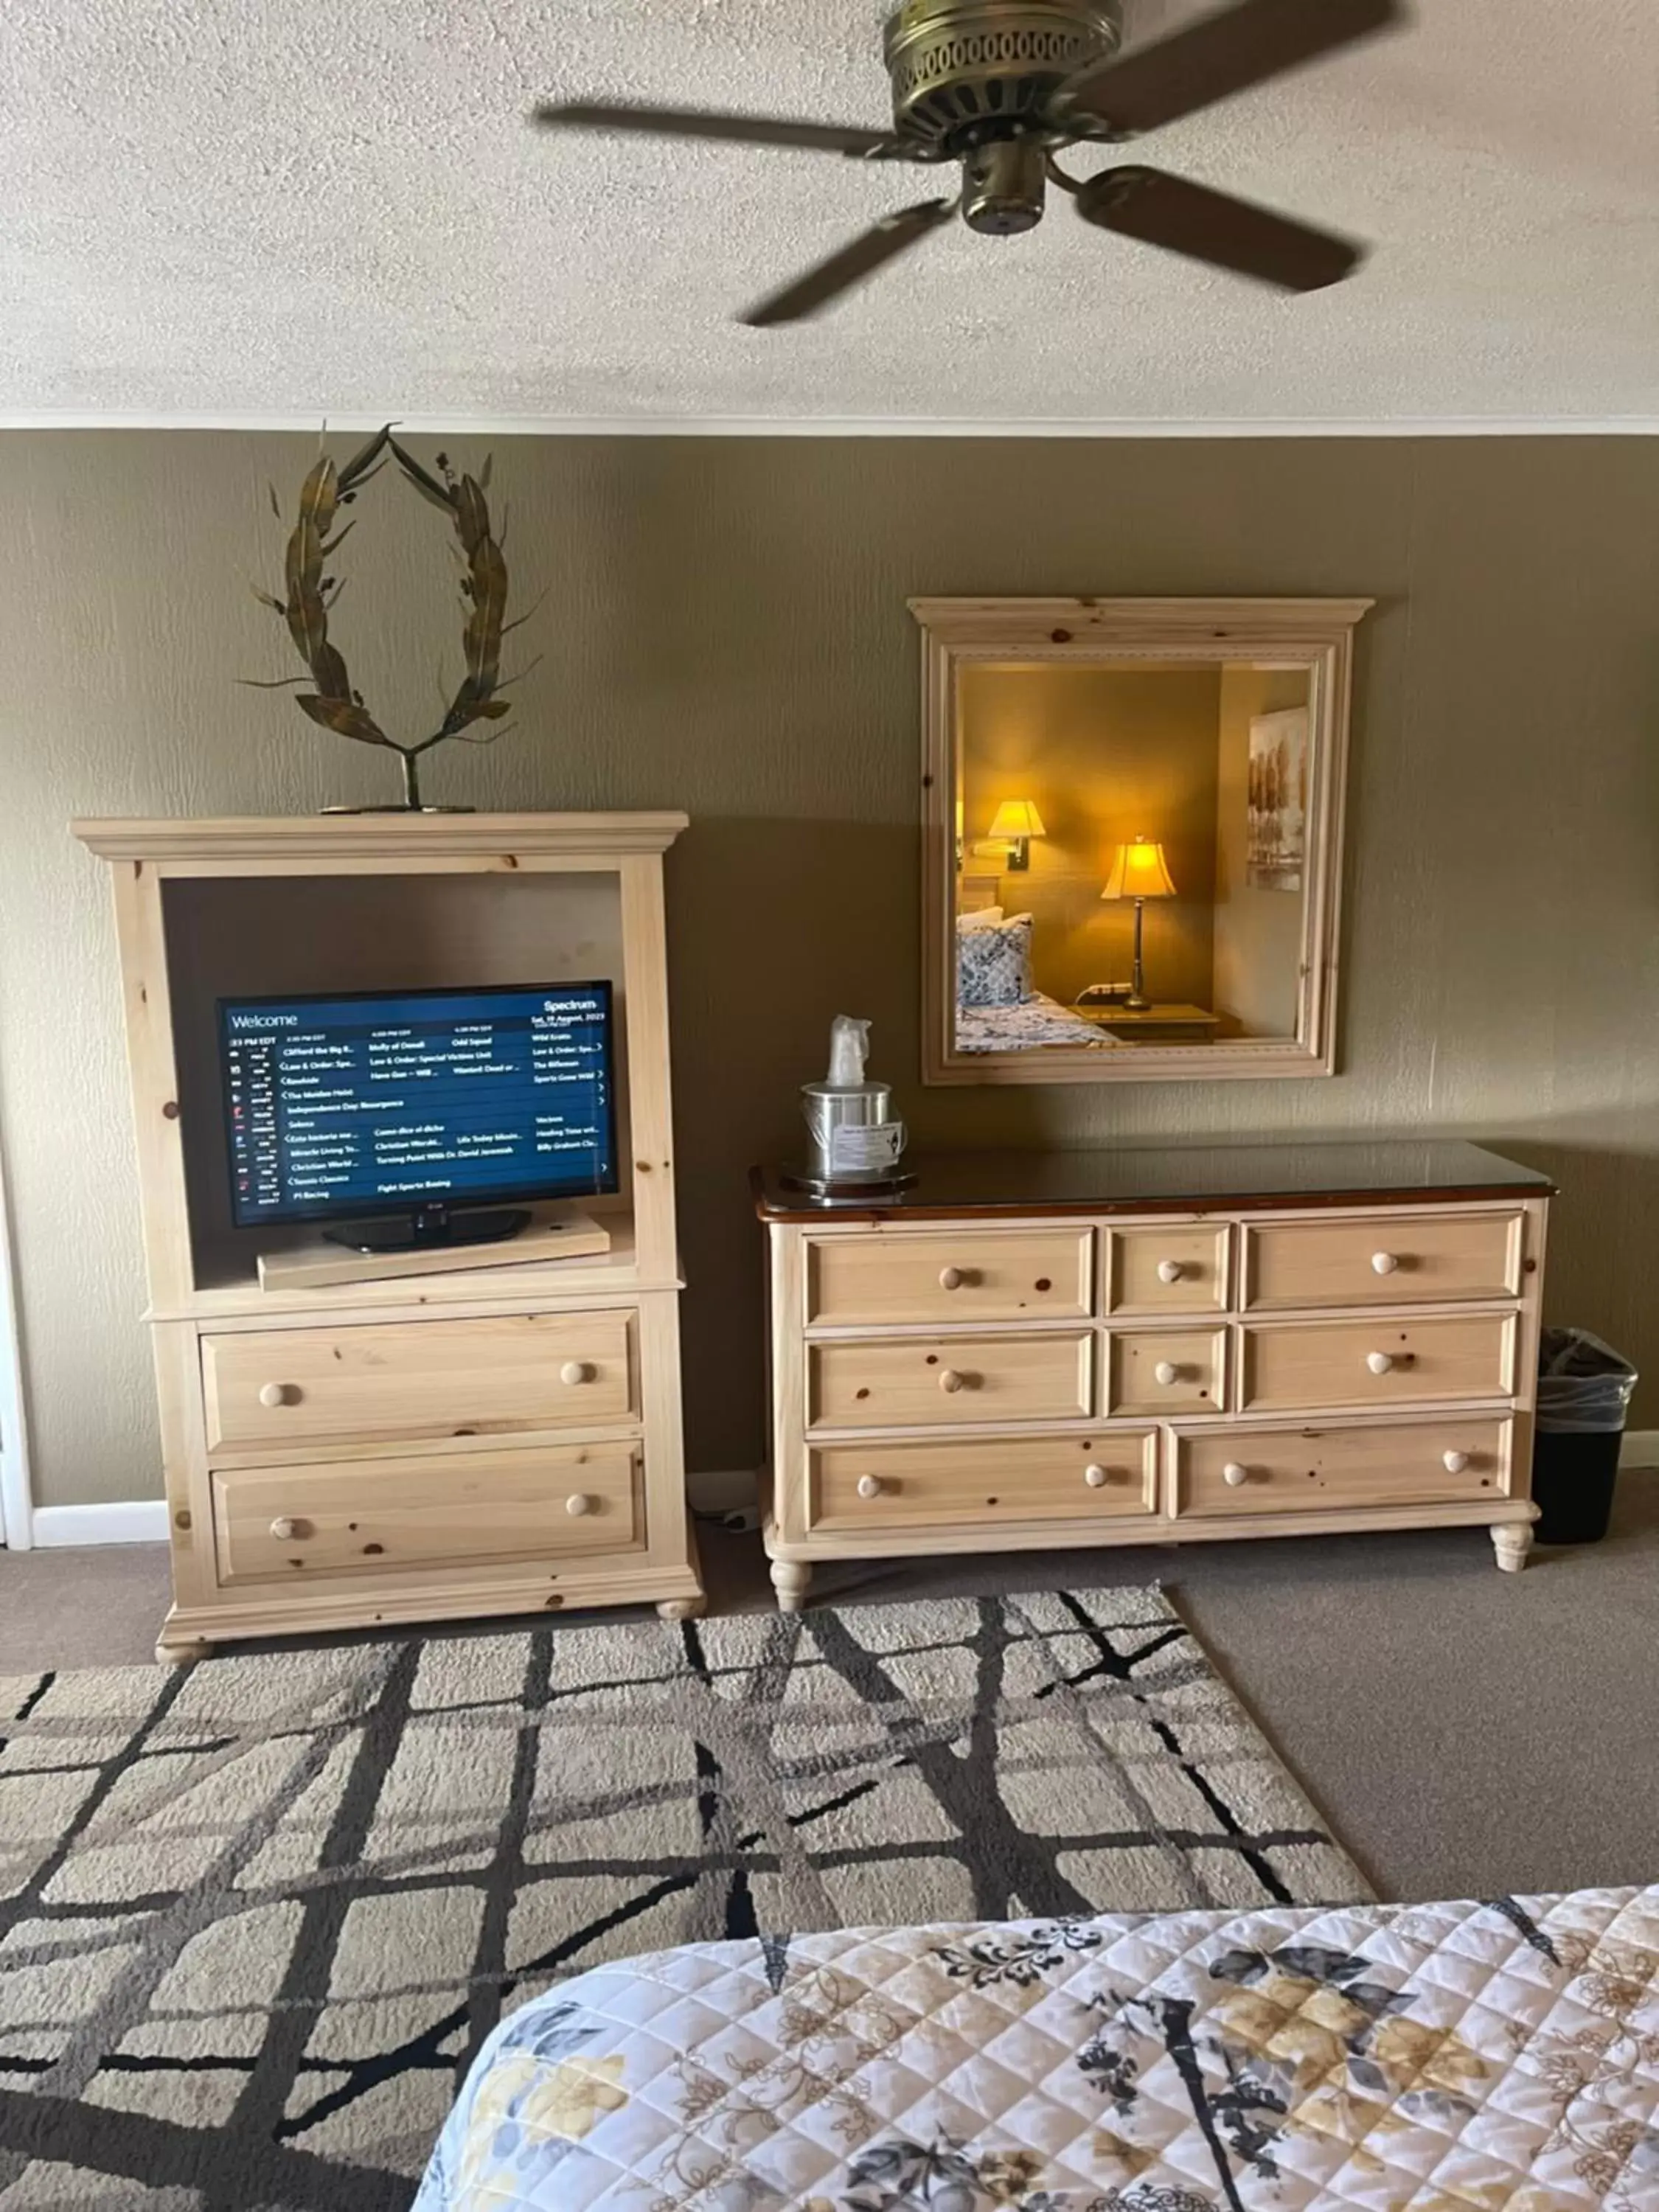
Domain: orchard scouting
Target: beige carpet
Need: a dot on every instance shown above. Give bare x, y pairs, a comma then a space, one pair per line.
1462, 1729
258, 1915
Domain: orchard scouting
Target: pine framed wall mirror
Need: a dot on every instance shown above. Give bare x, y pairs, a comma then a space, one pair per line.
1132, 835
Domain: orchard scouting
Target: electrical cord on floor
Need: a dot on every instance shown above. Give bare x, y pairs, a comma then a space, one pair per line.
741, 1520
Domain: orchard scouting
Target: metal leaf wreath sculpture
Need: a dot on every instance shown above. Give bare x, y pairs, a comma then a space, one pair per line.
312, 592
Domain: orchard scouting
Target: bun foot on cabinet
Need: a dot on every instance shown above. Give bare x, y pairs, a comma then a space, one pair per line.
792, 1579
683, 1608
181, 1651
1512, 1540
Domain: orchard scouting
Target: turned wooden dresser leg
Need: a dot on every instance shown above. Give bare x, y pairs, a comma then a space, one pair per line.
792, 1579
1512, 1540
683, 1608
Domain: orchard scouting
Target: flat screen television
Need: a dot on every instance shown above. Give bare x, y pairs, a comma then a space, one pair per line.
410, 1117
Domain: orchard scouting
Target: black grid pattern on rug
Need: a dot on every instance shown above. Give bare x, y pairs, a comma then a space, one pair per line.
259, 1914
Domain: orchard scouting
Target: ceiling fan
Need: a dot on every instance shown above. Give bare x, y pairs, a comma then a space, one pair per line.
1002, 86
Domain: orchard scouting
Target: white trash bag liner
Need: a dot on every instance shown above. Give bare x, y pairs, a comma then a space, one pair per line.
1583, 1385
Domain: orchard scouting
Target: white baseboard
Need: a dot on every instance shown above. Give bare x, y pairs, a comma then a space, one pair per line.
728, 1488
144, 1520
722, 1492
132, 1521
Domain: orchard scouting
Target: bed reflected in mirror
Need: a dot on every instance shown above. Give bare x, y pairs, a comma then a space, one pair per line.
1137, 855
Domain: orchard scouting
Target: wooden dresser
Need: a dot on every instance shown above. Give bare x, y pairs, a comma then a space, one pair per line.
504, 1438
1153, 1347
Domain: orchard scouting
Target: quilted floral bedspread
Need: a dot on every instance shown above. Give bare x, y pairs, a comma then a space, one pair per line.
1036, 1019
1480, 2058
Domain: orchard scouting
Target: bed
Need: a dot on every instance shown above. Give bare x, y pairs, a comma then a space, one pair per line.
1037, 1019
999, 1008
1501, 2056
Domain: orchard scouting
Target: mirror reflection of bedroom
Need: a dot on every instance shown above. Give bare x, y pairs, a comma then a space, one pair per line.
1131, 854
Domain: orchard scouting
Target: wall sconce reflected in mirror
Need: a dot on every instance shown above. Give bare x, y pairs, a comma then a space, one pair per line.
1139, 872
1014, 824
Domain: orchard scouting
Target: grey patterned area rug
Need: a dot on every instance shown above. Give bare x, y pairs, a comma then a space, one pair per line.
259, 1913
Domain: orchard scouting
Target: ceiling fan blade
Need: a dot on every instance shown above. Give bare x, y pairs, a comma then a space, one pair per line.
1219, 55
712, 122
1229, 234
893, 236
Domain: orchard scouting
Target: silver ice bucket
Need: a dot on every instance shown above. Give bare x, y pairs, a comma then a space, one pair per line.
852, 1138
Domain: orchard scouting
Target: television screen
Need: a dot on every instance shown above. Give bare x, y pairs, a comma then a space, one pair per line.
365, 1102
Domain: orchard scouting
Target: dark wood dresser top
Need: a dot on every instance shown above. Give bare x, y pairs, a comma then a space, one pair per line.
1400, 1171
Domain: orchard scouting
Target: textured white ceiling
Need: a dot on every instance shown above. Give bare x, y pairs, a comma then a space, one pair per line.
214, 209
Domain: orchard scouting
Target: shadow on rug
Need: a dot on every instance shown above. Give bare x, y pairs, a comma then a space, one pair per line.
259, 1914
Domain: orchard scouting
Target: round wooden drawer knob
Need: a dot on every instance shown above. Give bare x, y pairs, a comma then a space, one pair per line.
870, 1486
1454, 1461
1380, 1363
278, 1393
1096, 1477
1167, 1372
1170, 1271
1234, 1475
575, 1370
580, 1503
285, 1530
1383, 1263
950, 1382
951, 1279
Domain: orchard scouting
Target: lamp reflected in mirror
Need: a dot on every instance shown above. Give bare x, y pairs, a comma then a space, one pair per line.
1015, 823
1139, 872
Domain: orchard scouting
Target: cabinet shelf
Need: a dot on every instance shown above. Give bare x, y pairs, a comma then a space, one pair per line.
228, 1288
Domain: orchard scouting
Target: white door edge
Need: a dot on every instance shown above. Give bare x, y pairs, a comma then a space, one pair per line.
16, 1506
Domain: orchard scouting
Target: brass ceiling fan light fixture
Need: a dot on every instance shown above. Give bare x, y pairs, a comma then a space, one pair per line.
1000, 88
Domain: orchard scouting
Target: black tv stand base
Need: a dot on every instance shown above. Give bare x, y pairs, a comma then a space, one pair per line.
425, 1226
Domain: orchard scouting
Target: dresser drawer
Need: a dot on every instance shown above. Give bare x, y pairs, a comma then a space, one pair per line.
914, 1382
1167, 1372
1291, 1366
276, 1387
984, 1483
1175, 1270
959, 1275
1403, 1259
292, 1524
1303, 1470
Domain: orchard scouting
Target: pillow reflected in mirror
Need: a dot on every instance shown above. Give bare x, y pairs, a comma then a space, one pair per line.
993, 963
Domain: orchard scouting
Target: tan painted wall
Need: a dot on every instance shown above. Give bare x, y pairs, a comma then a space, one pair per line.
1106, 755
725, 630
1258, 933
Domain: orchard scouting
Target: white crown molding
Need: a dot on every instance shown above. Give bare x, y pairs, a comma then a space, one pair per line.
766, 426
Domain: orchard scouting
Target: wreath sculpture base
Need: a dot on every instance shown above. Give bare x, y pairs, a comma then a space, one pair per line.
311, 593
399, 806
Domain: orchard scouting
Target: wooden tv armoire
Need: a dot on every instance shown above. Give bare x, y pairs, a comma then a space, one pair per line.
498, 1438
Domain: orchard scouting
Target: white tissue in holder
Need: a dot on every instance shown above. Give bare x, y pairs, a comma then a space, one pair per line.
850, 1047
853, 1140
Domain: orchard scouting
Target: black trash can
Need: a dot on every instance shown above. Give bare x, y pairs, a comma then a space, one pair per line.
1583, 1390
